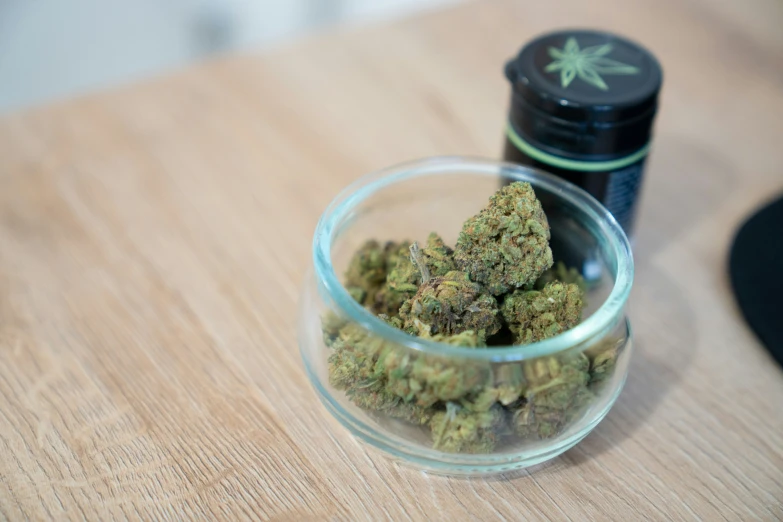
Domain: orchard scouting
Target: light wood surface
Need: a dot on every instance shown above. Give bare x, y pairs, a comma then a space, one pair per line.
153, 240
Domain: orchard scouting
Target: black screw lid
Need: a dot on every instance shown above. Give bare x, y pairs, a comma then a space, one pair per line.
580, 75
594, 90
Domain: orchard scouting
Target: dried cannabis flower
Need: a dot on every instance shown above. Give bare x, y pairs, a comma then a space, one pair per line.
353, 359
451, 297
449, 305
366, 272
331, 324
557, 392
603, 358
385, 402
535, 315
506, 245
560, 272
405, 274
509, 383
354, 367
427, 380
457, 430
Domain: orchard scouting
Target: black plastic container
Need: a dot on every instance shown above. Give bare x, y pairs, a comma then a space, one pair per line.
582, 107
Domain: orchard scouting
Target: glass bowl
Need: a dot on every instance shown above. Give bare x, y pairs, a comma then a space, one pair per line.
508, 407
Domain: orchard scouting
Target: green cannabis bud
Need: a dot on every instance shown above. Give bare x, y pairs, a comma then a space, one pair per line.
603, 358
386, 403
394, 252
366, 272
457, 430
331, 324
506, 245
535, 315
499, 275
405, 274
509, 383
449, 305
353, 358
354, 367
560, 272
427, 380
557, 392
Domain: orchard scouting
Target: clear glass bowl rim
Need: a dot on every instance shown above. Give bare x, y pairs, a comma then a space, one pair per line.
599, 323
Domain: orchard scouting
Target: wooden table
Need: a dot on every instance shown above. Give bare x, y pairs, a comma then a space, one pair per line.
153, 240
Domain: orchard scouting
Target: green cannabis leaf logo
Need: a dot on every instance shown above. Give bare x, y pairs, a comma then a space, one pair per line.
588, 64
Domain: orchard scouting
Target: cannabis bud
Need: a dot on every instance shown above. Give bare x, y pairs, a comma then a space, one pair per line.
557, 391
535, 315
425, 382
452, 297
428, 380
560, 272
354, 367
449, 305
457, 430
405, 273
603, 358
366, 272
506, 245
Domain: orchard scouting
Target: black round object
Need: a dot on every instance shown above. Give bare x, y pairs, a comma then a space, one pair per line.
577, 93
755, 268
582, 107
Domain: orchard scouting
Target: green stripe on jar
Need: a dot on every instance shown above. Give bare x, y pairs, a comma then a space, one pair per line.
584, 166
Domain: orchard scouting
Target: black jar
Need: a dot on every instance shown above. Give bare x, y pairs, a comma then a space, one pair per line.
582, 107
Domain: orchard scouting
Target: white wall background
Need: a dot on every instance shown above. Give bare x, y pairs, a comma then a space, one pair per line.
50, 49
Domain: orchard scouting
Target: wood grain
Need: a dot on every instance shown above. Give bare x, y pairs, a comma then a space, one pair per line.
153, 239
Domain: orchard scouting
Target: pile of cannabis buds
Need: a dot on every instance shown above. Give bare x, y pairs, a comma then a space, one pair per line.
497, 286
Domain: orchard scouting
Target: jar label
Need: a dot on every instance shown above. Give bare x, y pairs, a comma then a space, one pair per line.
622, 190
